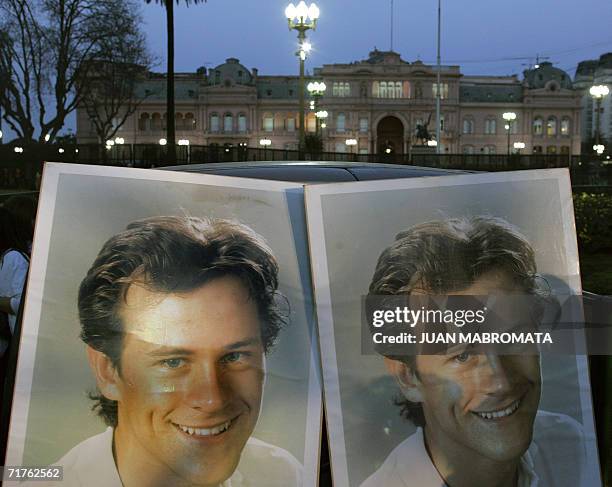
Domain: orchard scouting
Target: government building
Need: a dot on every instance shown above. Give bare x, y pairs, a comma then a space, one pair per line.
378, 102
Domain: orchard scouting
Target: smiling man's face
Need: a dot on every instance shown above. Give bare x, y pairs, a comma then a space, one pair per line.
190, 384
484, 403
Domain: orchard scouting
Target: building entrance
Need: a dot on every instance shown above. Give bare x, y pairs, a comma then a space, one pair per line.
390, 136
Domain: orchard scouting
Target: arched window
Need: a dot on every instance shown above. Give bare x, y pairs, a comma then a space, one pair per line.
566, 124
242, 123
538, 126
383, 89
376, 89
228, 122
268, 122
406, 91
214, 123
311, 122
398, 89
179, 121
551, 127
347, 89
144, 122
340, 123
490, 126
156, 121
551, 149
468, 126
190, 122
489, 149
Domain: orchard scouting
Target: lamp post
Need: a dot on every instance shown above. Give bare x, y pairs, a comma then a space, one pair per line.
518, 146
509, 117
316, 89
302, 18
598, 92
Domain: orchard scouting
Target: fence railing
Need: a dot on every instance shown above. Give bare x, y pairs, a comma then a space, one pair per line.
23, 169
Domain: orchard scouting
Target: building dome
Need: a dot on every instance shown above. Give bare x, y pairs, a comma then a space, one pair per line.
547, 76
230, 73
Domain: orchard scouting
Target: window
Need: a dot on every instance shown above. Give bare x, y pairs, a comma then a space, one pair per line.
156, 121
443, 91
565, 150
551, 149
489, 149
214, 123
341, 88
538, 126
340, 123
291, 124
551, 127
268, 123
565, 126
490, 126
468, 149
363, 125
311, 123
143, 122
537, 149
389, 89
340, 147
179, 121
190, 122
242, 123
468, 126
228, 122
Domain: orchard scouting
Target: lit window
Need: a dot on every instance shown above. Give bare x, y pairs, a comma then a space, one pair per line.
565, 126
398, 89
242, 123
268, 123
551, 127
551, 149
383, 89
291, 125
311, 123
214, 122
376, 89
340, 122
341, 88
538, 126
443, 91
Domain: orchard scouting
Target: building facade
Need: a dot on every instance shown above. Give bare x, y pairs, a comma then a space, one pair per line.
590, 73
380, 102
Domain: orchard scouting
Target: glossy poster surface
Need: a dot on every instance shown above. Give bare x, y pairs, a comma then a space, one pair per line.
167, 330
457, 418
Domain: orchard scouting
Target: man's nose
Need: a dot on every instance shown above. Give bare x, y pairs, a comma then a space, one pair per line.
495, 375
207, 389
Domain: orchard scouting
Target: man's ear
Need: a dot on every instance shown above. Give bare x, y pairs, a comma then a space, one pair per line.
105, 372
406, 378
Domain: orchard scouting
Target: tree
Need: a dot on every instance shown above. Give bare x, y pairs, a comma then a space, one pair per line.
170, 128
47, 51
111, 95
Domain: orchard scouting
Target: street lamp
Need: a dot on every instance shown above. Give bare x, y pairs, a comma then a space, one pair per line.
509, 117
518, 146
350, 143
599, 148
598, 92
302, 18
316, 89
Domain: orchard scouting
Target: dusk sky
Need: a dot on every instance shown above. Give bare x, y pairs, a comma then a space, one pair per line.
478, 34
482, 36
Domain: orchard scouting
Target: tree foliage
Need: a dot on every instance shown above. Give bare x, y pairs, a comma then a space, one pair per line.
51, 53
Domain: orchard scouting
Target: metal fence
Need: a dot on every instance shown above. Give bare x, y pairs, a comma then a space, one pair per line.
23, 169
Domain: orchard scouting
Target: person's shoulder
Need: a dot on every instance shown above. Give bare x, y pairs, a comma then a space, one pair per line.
279, 467
91, 461
553, 427
14, 259
408, 464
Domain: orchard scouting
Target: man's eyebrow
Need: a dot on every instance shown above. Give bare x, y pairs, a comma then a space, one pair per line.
166, 351
243, 343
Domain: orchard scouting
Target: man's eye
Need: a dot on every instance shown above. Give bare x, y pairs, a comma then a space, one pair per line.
463, 357
233, 357
173, 363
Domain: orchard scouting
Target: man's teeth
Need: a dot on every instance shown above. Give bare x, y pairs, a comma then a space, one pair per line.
206, 431
501, 413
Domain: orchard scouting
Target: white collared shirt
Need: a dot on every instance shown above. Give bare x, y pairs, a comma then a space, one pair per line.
555, 458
